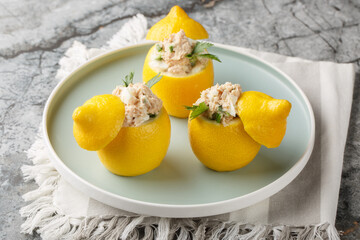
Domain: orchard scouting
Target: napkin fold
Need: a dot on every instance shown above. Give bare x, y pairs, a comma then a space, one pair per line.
305, 209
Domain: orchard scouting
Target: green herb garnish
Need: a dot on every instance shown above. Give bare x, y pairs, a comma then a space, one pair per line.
197, 110
198, 52
159, 48
217, 117
152, 115
201, 46
193, 61
171, 48
159, 58
220, 109
128, 79
154, 80
193, 107
208, 55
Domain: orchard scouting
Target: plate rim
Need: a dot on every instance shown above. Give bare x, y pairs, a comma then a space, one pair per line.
175, 210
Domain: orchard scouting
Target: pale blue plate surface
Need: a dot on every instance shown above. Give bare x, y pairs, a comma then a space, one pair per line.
181, 182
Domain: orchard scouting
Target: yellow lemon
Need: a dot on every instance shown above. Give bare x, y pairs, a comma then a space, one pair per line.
177, 92
219, 147
138, 150
176, 19
98, 121
264, 117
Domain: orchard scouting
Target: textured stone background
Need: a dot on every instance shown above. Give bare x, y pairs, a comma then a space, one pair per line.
34, 35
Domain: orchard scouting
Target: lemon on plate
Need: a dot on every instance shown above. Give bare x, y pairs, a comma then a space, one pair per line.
176, 91
126, 151
228, 140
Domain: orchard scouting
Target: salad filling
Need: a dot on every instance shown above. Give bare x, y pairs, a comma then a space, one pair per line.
218, 103
140, 102
180, 56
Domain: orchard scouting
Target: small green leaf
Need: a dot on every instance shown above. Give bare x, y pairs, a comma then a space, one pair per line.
159, 58
201, 46
198, 51
128, 79
154, 80
220, 109
193, 107
152, 115
193, 61
159, 48
218, 117
171, 48
208, 55
201, 108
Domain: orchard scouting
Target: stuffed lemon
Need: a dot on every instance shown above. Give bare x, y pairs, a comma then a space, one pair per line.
227, 127
130, 129
187, 70
185, 63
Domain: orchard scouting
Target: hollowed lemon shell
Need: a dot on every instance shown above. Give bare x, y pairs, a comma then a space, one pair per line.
138, 150
177, 92
221, 148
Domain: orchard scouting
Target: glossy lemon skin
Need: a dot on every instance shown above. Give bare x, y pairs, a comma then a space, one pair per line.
264, 117
221, 148
138, 150
177, 92
98, 121
176, 19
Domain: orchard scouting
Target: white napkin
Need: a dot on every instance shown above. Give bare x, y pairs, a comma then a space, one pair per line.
305, 208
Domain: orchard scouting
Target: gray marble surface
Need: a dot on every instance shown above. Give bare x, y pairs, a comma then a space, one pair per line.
35, 34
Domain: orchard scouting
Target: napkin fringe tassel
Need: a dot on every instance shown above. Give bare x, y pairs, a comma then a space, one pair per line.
42, 216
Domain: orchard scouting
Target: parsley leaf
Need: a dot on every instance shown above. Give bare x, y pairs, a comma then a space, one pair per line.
154, 80
128, 79
208, 55
152, 115
201, 46
198, 110
171, 48
198, 51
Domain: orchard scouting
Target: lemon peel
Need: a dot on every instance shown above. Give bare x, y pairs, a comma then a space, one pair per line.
175, 20
219, 147
177, 92
98, 121
264, 117
138, 150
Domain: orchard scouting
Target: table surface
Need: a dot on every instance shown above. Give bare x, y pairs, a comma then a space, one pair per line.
35, 34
